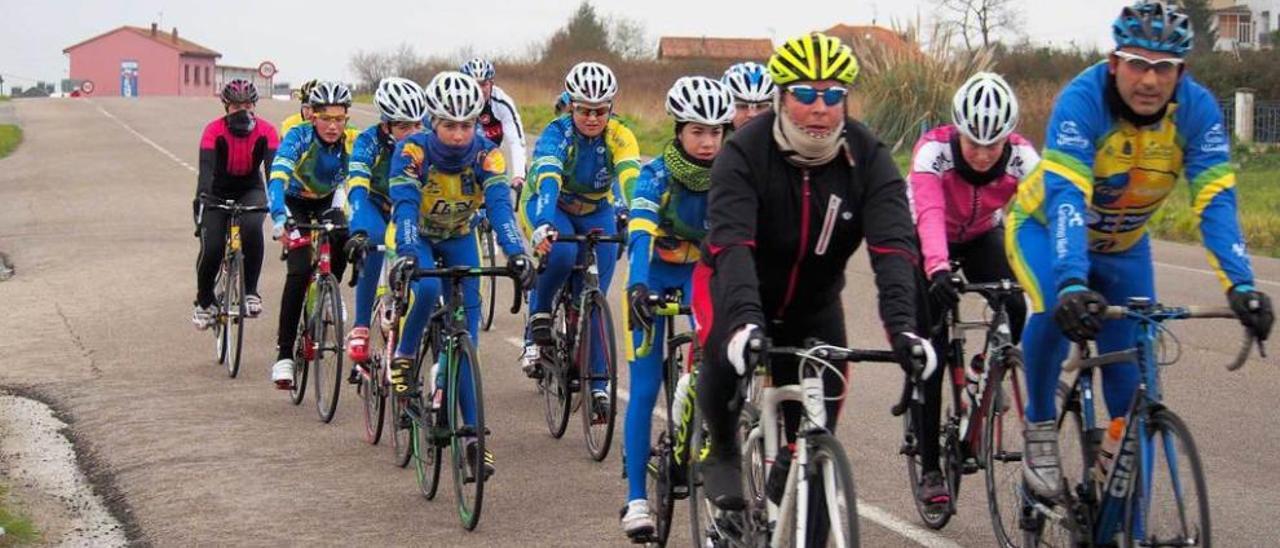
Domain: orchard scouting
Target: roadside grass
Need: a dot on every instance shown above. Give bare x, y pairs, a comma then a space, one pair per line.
10, 138
1257, 200
4, 98
18, 529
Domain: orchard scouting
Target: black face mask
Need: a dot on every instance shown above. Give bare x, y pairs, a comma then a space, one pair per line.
979, 178
240, 123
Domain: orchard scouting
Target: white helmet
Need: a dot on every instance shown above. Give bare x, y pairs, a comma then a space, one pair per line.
591, 83
479, 68
985, 108
749, 82
400, 100
701, 100
329, 93
452, 95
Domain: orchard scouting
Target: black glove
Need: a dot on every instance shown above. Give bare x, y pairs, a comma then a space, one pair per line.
522, 265
913, 353
1079, 312
355, 246
944, 290
1253, 307
641, 316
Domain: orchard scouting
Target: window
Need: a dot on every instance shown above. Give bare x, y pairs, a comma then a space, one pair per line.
186, 74
207, 80
1244, 30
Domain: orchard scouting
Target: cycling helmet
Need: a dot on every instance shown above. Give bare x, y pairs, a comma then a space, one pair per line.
749, 82
701, 100
304, 92
454, 96
1153, 25
330, 93
563, 100
239, 91
813, 57
400, 100
478, 68
985, 108
591, 83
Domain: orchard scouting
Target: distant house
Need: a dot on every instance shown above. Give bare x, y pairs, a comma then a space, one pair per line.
135, 61
1245, 24
679, 48
860, 37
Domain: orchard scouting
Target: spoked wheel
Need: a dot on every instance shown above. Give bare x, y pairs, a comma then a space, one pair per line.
233, 314
302, 349
373, 399
709, 526
467, 445
1002, 447
835, 479
596, 344
329, 353
220, 320
934, 518
554, 384
429, 428
488, 285
1169, 505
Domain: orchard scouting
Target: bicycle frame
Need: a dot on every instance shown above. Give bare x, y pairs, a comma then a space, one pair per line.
998, 341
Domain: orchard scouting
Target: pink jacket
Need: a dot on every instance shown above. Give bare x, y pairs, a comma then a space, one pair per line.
949, 210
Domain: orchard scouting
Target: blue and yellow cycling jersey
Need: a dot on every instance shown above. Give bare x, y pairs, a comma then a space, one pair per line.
306, 167
370, 166
576, 172
667, 220
291, 122
1124, 173
436, 195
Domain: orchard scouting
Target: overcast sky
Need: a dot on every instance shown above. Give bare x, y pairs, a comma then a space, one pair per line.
305, 39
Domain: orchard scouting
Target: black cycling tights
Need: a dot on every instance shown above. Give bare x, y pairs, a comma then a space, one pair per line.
214, 225
299, 269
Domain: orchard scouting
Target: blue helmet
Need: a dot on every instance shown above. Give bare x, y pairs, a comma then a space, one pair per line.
480, 69
1153, 25
749, 82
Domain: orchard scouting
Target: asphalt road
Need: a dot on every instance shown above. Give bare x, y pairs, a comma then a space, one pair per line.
94, 208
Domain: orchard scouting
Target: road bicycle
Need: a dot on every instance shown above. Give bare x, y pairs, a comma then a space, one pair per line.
318, 345
229, 291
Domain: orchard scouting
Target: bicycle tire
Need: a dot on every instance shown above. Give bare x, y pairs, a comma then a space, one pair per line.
237, 313
1037, 529
372, 398
329, 333
932, 518
1173, 446
301, 365
428, 438
488, 285
1001, 449
595, 318
404, 432
220, 320
701, 521
554, 384
658, 474
838, 481
470, 503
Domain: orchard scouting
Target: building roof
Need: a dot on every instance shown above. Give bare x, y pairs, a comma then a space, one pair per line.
857, 36
735, 49
170, 39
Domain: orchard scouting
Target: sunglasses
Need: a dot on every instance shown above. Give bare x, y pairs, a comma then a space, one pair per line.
753, 107
808, 94
586, 112
332, 119
1163, 67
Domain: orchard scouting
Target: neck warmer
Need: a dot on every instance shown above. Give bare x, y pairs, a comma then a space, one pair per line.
972, 176
801, 148
1118, 106
691, 172
240, 123
451, 159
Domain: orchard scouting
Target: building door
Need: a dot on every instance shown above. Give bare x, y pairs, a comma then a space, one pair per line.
128, 78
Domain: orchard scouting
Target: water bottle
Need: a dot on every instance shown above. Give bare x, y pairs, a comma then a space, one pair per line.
438, 397
1110, 447
682, 415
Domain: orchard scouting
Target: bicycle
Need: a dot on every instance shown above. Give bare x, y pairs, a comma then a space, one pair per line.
771, 517
320, 330
435, 413
374, 376
229, 291
972, 433
1156, 450
488, 257
566, 359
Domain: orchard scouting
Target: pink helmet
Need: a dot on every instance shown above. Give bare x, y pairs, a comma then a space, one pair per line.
239, 91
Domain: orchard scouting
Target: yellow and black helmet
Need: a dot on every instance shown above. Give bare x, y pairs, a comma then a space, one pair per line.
813, 57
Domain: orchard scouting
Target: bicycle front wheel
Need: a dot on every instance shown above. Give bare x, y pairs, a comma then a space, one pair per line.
429, 428
596, 342
467, 445
303, 353
488, 285
1169, 505
554, 384
328, 344
934, 518
835, 479
220, 285
236, 312
1002, 447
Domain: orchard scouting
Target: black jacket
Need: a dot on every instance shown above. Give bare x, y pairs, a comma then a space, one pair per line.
780, 235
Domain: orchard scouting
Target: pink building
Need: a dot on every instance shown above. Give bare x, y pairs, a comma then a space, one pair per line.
135, 61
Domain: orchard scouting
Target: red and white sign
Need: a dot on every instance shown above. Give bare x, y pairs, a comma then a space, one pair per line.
267, 69
86, 87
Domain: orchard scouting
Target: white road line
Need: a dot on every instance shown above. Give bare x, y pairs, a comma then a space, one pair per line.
1210, 273
144, 139
874, 514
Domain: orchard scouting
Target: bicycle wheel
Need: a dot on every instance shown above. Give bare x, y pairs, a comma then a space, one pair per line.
1169, 505
429, 428
1077, 457
468, 481
934, 518
488, 285
329, 353
658, 481
1002, 447
836, 480
302, 348
554, 384
708, 524
220, 320
234, 308
595, 334
702, 513
373, 399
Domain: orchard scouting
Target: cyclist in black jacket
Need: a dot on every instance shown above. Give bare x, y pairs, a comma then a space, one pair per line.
791, 199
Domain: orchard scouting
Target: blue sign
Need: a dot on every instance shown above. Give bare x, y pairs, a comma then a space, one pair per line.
128, 78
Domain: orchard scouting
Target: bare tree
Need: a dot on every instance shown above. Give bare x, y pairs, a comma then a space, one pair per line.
977, 22
372, 66
629, 40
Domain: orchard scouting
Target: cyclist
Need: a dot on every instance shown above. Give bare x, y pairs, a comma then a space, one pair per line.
500, 120
582, 164
753, 90
962, 176
304, 111
235, 151
667, 225
438, 180
806, 183
1119, 136
306, 182
401, 107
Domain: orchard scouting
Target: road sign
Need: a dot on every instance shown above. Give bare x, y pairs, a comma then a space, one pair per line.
267, 69
86, 87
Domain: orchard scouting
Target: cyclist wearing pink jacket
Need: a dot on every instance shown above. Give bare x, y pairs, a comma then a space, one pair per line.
962, 176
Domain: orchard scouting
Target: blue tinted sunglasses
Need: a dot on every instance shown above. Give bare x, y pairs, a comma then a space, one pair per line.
808, 94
